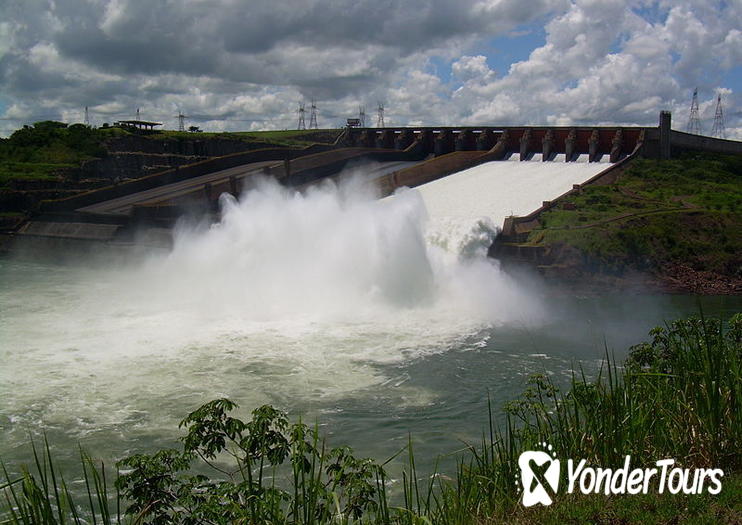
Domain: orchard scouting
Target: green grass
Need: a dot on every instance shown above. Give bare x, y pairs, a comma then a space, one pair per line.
684, 210
30, 171
709, 182
280, 138
676, 396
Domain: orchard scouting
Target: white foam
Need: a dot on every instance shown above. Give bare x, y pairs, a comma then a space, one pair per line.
290, 296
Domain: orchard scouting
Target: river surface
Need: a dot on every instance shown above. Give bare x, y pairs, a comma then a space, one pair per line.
376, 319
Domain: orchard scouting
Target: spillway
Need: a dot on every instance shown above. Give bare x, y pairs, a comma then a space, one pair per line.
498, 189
467, 209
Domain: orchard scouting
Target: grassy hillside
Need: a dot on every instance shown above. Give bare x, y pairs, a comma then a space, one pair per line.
44, 150
658, 216
289, 137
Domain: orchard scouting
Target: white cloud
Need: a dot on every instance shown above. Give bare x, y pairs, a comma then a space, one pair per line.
603, 63
234, 67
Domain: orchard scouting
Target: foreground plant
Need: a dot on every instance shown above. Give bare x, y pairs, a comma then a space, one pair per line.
246, 459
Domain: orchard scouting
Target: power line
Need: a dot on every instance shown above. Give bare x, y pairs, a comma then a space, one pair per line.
313, 116
719, 130
694, 121
380, 116
181, 121
301, 125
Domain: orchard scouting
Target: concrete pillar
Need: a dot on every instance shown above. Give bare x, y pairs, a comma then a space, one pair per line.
367, 139
485, 140
569, 145
464, 140
547, 145
665, 126
500, 149
443, 143
350, 137
404, 139
207, 191
385, 139
427, 140
594, 146
508, 226
617, 146
525, 144
234, 186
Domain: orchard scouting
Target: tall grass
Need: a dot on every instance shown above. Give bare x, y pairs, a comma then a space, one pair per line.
43, 496
676, 396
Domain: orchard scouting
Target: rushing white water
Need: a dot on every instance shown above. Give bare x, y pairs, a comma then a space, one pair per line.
288, 297
467, 209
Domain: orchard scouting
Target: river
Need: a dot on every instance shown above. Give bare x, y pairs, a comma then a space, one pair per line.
377, 319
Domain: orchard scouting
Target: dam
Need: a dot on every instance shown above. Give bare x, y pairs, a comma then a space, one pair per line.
393, 158
390, 159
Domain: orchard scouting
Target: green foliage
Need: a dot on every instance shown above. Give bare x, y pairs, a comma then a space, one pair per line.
43, 150
52, 142
296, 138
247, 459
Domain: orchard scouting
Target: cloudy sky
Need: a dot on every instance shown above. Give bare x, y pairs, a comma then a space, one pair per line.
247, 64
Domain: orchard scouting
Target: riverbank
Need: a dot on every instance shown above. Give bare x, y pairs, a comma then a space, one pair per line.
676, 396
672, 225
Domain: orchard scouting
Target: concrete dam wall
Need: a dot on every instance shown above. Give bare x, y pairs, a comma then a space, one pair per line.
411, 157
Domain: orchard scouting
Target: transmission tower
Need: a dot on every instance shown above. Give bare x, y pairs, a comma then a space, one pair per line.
694, 121
313, 116
87, 117
137, 113
719, 129
362, 116
380, 116
301, 124
181, 121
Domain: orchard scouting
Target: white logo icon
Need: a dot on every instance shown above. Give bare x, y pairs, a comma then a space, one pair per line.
539, 473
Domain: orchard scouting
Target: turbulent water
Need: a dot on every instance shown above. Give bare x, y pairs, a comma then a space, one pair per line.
378, 317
